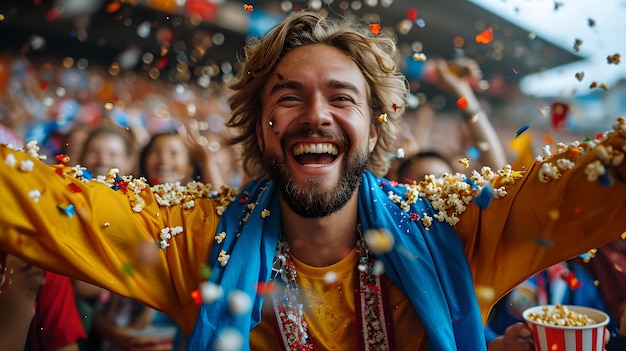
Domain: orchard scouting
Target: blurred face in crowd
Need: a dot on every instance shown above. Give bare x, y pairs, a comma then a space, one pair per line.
315, 128
167, 160
105, 151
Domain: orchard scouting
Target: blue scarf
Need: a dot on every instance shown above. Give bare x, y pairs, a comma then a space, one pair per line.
428, 266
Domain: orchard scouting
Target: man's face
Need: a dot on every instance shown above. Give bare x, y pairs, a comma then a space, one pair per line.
315, 128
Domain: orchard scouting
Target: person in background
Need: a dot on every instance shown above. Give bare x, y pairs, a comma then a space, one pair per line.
594, 280
317, 251
454, 77
38, 310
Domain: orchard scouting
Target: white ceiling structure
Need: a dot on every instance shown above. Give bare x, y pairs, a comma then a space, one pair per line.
598, 25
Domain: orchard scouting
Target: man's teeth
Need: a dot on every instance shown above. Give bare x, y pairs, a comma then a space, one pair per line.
315, 149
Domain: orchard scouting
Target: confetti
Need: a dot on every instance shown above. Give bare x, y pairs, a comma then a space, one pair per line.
127, 269
210, 292
419, 56
412, 15
229, 340
248, 8
558, 115
239, 302
379, 240
483, 199
383, 118
74, 188
580, 76
68, 210
522, 130
571, 280
462, 102
375, 28
613, 59
485, 37
547, 243
591, 22
577, 44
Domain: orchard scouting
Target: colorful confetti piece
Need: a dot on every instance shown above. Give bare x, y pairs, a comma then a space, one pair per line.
483, 199
462, 102
375, 28
522, 130
68, 210
485, 37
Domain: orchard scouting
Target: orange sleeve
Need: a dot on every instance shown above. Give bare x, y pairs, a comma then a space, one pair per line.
557, 210
91, 232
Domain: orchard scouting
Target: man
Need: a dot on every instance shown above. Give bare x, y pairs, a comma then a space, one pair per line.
355, 262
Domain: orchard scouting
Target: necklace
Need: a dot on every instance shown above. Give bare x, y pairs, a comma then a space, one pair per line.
373, 316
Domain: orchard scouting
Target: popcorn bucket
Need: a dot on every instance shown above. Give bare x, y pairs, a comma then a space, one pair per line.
567, 328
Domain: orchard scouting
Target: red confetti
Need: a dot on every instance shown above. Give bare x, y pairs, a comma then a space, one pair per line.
571, 280
375, 28
559, 112
264, 288
414, 217
113, 6
395, 107
548, 140
242, 200
53, 14
74, 188
59, 171
462, 102
64, 159
485, 37
43, 85
412, 15
248, 8
393, 183
197, 298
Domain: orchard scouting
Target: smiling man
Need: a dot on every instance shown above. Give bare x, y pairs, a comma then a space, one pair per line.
317, 252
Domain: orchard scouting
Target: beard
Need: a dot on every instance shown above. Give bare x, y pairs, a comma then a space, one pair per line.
315, 200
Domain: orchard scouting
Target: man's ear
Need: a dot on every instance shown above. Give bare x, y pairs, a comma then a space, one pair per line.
373, 139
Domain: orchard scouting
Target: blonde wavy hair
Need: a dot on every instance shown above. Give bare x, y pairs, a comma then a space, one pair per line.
374, 55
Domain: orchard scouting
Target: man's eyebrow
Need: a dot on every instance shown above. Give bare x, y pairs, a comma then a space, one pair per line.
290, 84
338, 84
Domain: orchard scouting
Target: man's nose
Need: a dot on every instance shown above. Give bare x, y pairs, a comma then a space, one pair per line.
318, 112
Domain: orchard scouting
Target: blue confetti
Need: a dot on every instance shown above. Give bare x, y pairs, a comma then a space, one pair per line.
522, 130
68, 210
483, 199
87, 175
473, 153
586, 256
544, 242
606, 179
471, 183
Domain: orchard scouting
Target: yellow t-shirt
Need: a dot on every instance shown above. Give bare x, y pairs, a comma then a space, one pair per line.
330, 311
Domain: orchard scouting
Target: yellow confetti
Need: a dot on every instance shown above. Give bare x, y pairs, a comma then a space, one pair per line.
383, 118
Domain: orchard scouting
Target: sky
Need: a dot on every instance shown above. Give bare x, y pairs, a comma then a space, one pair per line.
563, 22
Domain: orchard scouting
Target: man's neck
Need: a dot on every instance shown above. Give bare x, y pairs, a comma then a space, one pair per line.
322, 241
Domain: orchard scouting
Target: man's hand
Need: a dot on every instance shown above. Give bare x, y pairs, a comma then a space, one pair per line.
515, 338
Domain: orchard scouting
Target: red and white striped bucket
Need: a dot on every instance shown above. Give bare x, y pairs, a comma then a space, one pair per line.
548, 337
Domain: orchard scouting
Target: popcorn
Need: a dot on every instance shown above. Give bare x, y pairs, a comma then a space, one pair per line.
239, 302
560, 315
223, 258
27, 166
10, 160
594, 170
35, 195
